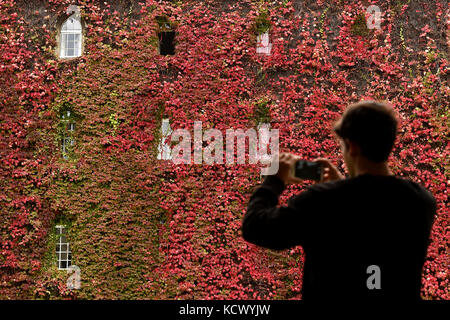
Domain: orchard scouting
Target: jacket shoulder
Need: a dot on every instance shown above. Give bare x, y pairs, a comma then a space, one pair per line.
419, 192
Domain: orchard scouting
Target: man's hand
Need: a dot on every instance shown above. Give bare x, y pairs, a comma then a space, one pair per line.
330, 172
285, 168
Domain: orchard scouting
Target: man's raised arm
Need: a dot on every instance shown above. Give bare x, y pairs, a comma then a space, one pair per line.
271, 226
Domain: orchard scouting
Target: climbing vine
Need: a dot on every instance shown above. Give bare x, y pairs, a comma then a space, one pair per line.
142, 228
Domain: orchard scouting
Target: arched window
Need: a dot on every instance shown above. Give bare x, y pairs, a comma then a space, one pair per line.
71, 37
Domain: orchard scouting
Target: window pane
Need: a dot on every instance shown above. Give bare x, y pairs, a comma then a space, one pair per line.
165, 127
63, 254
76, 44
71, 43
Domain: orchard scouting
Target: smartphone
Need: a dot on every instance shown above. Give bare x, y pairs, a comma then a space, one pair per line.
308, 170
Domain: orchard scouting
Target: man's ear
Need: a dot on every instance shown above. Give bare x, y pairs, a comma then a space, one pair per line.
352, 148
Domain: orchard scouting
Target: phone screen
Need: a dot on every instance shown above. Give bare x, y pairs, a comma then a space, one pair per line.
308, 170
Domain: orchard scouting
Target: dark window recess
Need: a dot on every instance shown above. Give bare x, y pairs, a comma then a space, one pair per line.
166, 43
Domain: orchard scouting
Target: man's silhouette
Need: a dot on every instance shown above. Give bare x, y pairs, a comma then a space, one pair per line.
364, 236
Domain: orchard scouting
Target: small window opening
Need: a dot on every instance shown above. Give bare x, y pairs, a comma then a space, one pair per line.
166, 36
164, 150
263, 45
68, 130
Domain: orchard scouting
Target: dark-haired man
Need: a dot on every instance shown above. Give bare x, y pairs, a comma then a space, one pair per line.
364, 236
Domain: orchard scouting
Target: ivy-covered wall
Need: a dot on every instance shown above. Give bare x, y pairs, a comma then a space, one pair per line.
141, 228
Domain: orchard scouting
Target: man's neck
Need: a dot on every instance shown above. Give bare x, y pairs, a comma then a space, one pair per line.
372, 168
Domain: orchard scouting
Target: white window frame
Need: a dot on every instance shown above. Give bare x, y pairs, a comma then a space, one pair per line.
78, 31
59, 253
164, 149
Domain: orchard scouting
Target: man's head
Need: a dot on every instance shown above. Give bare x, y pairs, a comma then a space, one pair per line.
367, 132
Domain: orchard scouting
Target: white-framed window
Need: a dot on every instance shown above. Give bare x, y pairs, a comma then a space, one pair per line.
67, 140
63, 253
71, 37
164, 150
263, 45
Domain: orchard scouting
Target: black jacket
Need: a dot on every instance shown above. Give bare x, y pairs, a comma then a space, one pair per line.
344, 227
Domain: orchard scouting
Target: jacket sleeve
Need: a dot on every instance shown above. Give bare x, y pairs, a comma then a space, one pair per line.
277, 227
